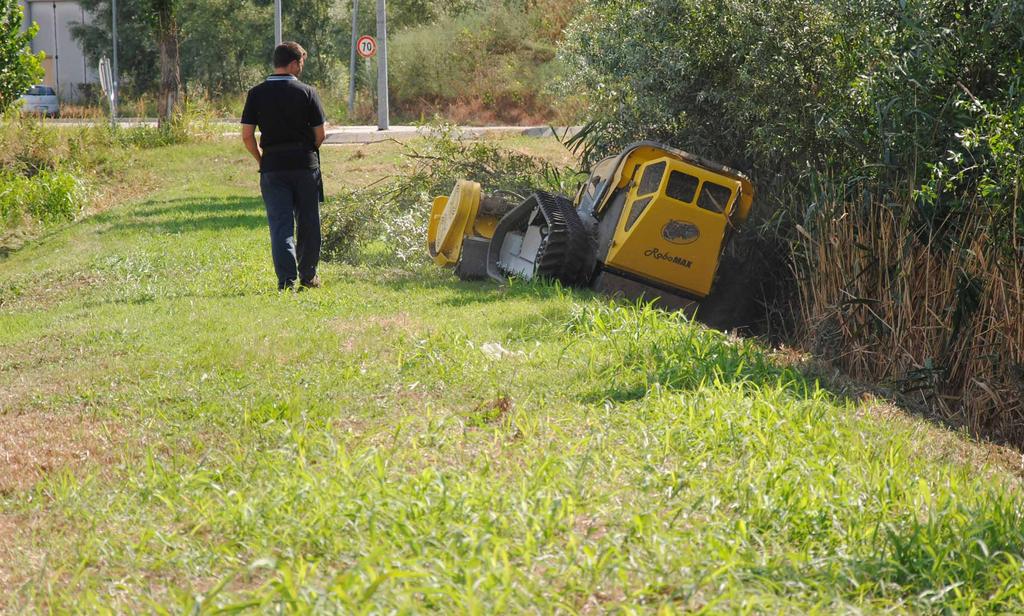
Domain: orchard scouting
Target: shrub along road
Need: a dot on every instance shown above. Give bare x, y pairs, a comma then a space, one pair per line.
177, 434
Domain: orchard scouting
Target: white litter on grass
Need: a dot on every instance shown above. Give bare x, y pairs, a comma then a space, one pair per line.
494, 351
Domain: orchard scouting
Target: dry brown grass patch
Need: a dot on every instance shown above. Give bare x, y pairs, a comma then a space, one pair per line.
590, 527
35, 444
475, 111
46, 291
16, 559
359, 164
39, 370
359, 334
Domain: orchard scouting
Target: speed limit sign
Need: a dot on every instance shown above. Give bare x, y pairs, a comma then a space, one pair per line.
366, 46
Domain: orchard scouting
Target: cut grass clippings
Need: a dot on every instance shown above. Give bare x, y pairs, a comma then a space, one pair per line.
364, 448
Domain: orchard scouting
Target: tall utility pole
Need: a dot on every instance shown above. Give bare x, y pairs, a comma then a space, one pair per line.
277, 23
56, 52
382, 66
114, 85
352, 61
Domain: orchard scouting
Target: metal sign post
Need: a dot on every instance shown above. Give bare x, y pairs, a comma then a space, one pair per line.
352, 62
114, 78
372, 79
382, 66
56, 52
107, 84
278, 37
366, 47
104, 83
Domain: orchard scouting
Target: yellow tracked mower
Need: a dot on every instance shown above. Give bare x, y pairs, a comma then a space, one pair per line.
650, 222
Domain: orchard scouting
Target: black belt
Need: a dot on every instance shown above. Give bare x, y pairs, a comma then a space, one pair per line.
292, 145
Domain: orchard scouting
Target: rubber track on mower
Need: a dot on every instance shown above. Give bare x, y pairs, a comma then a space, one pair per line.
564, 252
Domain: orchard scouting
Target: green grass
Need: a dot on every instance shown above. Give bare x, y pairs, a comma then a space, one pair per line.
354, 448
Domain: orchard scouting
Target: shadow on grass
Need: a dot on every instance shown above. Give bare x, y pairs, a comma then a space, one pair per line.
158, 216
630, 349
187, 215
621, 390
462, 293
17, 238
185, 295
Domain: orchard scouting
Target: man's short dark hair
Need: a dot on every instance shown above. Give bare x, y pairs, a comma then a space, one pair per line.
288, 52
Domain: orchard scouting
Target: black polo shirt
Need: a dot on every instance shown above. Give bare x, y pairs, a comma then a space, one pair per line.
286, 112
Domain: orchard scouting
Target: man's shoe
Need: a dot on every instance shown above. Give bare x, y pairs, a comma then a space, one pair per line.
312, 283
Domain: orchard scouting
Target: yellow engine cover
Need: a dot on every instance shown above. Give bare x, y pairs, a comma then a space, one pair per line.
673, 224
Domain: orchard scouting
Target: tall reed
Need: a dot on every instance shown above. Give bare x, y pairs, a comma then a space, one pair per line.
935, 312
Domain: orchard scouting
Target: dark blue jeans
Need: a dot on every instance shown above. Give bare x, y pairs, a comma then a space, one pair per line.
293, 211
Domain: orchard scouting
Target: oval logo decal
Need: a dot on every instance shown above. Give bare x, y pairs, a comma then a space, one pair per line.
680, 232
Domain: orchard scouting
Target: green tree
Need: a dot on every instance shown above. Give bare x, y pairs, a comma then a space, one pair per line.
317, 25
226, 50
19, 67
225, 45
792, 90
148, 38
220, 45
164, 14
136, 40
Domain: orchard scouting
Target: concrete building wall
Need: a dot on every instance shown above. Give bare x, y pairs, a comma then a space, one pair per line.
67, 69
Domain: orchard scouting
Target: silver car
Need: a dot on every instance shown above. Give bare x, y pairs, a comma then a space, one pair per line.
41, 99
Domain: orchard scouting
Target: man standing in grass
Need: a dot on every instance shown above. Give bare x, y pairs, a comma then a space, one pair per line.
290, 117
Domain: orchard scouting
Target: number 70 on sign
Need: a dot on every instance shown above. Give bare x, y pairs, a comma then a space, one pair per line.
366, 46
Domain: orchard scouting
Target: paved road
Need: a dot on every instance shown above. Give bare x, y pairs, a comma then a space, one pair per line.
368, 134
357, 134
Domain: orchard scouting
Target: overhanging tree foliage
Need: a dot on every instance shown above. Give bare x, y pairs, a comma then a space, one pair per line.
19, 67
785, 88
